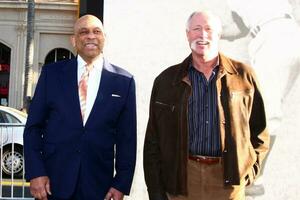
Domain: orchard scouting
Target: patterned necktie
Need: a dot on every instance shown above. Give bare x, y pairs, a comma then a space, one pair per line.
83, 85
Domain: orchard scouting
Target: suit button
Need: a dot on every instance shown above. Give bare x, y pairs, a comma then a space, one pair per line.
78, 151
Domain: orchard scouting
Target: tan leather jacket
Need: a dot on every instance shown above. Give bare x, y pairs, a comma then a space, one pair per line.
243, 133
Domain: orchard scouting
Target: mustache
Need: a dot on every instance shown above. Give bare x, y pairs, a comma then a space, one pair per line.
195, 41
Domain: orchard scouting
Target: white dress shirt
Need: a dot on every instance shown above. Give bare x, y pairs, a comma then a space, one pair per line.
93, 83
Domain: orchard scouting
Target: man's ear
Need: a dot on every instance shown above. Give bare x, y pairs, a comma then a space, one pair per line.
187, 35
72, 40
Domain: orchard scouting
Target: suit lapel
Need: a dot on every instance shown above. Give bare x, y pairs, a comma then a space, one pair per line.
69, 82
103, 90
105, 81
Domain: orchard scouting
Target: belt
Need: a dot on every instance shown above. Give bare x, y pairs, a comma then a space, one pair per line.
205, 159
256, 29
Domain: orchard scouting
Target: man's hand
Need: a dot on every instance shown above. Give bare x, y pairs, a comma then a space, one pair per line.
40, 187
114, 194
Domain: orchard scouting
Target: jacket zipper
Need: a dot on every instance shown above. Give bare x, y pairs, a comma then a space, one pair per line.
172, 107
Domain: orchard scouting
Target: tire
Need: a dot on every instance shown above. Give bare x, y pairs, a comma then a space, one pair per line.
18, 162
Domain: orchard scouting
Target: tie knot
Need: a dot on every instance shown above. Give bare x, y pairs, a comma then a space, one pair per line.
89, 67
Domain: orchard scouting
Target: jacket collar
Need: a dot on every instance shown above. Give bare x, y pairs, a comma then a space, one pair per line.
107, 66
225, 64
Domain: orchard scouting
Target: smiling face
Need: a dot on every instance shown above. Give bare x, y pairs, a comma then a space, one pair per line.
203, 33
88, 38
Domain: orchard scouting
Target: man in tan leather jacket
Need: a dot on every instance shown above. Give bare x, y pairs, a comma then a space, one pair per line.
206, 136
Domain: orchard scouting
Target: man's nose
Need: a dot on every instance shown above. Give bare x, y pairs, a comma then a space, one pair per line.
202, 32
91, 34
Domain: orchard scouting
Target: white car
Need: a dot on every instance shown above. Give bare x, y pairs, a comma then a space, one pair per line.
12, 124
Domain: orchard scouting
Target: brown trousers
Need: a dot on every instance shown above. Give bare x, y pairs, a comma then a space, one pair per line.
205, 182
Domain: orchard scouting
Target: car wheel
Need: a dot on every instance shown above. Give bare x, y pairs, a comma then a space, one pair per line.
13, 161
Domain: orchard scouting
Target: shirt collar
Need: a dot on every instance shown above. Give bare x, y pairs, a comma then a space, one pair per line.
215, 68
98, 63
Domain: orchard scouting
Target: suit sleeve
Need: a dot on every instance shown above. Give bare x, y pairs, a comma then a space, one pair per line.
33, 132
152, 164
126, 143
260, 138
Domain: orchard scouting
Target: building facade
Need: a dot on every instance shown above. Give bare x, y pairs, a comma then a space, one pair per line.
53, 26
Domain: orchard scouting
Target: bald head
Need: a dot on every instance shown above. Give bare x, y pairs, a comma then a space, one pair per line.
87, 19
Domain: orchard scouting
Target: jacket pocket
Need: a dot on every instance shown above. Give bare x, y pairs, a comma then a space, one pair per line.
165, 105
240, 104
241, 92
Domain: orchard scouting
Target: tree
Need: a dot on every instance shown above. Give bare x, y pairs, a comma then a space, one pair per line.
29, 54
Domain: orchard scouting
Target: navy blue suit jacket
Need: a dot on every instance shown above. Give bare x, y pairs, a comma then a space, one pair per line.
57, 145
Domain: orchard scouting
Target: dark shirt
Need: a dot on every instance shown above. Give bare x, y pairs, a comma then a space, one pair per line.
204, 131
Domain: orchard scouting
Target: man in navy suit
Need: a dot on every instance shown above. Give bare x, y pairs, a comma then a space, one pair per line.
76, 154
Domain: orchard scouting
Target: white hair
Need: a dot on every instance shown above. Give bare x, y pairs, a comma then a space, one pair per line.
205, 12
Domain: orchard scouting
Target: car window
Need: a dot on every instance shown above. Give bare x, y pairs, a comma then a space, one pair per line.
8, 118
2, 120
